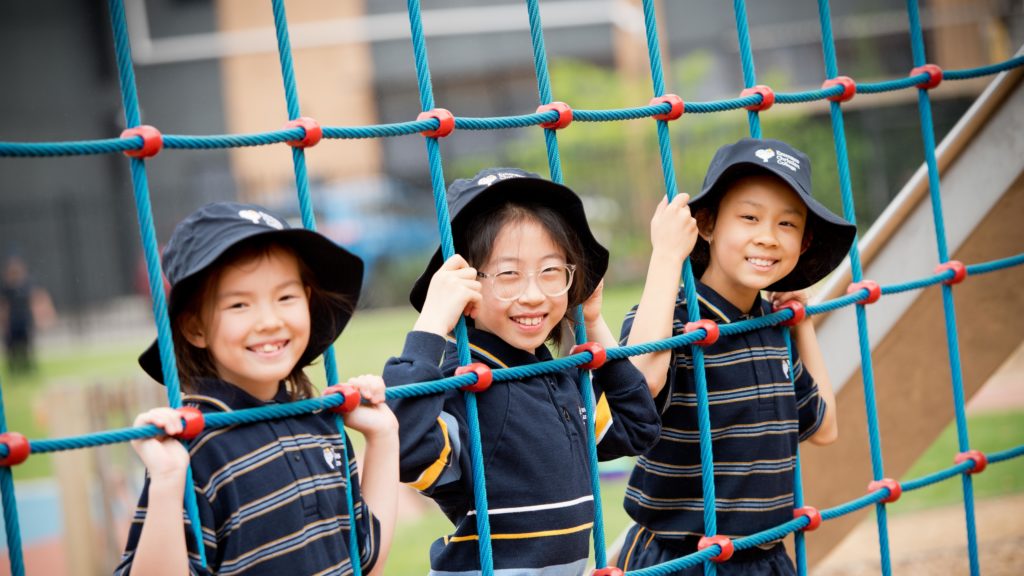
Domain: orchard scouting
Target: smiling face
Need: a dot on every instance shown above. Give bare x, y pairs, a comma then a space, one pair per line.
756, 238
255, 323
525, 322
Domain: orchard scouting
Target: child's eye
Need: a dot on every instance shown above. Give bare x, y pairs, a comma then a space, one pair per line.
236, 305
749, 217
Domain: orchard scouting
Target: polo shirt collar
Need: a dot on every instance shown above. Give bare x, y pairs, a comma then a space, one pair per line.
718, 307
495, 351
229, 397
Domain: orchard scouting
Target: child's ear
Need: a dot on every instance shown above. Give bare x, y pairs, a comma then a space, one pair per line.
705, 224
193, 331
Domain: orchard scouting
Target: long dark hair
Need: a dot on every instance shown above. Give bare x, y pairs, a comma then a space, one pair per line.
480, 234
195, 364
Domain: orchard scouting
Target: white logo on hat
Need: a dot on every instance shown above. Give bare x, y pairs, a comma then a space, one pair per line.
487, 180
765, 154
255, 217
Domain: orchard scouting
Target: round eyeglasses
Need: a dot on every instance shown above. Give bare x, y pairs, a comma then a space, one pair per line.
512, 284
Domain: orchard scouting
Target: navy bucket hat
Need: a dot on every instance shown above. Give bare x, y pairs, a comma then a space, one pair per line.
208, 233
492, 187
832, 235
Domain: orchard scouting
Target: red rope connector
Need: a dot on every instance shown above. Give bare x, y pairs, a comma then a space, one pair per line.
709, 327
895, 490
673, 100
483, 376
152, 141
976, 456
813, 516
313, 132
17, 448
799, 312
723, 542
194, 422
934, 75
445, 119
609, 571
351, 395
596, 350
874, 291
767, 97
958, 268
849, 88
564, 115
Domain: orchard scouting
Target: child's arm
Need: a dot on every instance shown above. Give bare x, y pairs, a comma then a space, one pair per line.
161, 548
805, 341
626, 420
379, 486
673, 235
431, 427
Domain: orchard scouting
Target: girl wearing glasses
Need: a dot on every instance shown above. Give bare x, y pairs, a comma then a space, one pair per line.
525, 260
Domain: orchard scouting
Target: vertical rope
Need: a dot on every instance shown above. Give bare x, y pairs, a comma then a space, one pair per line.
707, 459
291, 94
483, 525
798, 486
540, 65
11, 526
144, 210
867, 368
747, 60
952, 340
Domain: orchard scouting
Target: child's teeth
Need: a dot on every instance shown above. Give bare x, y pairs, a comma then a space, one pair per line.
269, 347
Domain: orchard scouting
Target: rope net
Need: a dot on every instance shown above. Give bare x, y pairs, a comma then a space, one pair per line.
140, 142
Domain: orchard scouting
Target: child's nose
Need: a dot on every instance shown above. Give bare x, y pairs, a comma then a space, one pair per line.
532, 293
268, 319
766, 236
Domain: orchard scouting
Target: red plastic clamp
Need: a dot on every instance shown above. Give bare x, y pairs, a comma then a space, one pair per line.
17, 448
849, 88
483, 376
812, 514
958, 268
351, 395
596, 350
609, 571
445, 119
709, 326
194, 422
313, 132
874, 291
895, 490
676, 103
767, 97
152, 141
564, 115
976, 456
934, 75
799, 312
723, 542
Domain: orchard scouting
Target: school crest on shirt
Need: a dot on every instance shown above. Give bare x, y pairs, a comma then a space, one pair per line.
785, 368
332, 458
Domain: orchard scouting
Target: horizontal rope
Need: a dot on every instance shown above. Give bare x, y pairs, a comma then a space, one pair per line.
218, 420
184, 142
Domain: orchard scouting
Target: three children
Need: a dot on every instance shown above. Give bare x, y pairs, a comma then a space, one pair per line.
253, 302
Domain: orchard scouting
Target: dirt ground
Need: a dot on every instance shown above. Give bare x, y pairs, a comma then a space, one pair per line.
935, 542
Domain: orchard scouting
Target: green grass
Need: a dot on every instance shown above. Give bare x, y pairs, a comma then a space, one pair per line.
989, 432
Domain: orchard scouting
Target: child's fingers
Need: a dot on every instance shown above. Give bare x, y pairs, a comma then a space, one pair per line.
681, 198
454, 263
166, 419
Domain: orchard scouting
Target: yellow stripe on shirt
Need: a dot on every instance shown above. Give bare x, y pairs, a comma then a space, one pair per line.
524, 535
431, 474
